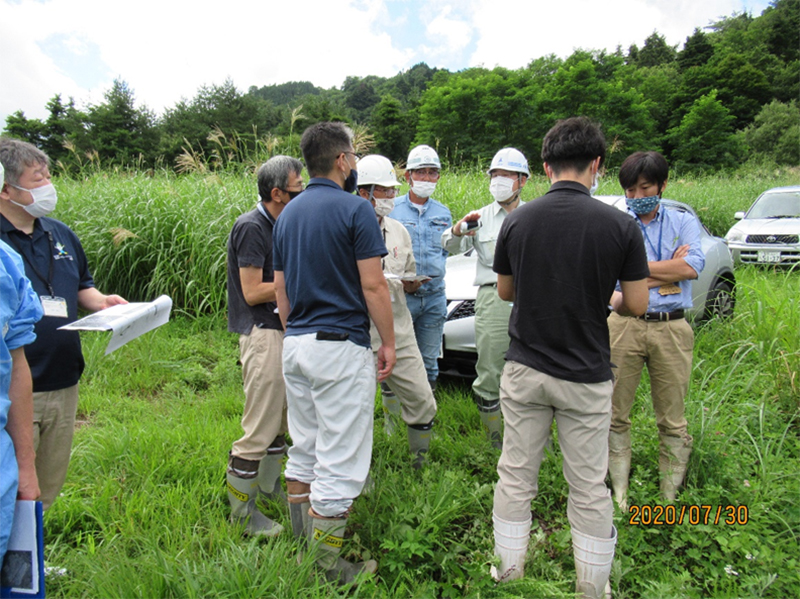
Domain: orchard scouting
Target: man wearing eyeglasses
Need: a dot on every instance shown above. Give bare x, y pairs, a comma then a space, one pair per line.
507, 176
425, 219
327, 252
255, 460
410, 395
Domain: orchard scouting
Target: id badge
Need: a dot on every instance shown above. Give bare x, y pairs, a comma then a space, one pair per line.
54, 306
669, 289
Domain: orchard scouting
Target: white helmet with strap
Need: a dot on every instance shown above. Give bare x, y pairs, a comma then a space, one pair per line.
422, 157
509, 159
376, 170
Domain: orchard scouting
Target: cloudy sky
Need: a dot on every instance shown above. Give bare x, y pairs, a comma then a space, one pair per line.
167, 49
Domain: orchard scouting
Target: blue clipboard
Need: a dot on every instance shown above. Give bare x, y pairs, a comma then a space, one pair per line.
22, 573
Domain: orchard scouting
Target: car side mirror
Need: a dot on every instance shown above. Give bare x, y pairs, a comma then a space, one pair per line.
739, 215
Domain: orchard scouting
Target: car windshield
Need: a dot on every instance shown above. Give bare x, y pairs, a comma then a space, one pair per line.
780, 204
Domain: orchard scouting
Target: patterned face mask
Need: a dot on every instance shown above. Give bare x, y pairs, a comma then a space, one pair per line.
643, 205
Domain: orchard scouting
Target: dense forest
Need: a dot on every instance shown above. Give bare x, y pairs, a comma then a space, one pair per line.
730, 94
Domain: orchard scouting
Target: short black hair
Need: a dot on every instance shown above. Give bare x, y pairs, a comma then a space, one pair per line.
322, 143
572, 144
652, 165
275, 173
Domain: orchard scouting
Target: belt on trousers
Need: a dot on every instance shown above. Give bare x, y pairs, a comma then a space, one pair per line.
662, 316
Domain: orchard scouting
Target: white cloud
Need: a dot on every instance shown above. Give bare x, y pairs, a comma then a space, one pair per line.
512, 38
167, 49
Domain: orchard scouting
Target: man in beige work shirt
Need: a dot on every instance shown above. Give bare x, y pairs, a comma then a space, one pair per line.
508, 172
412, 395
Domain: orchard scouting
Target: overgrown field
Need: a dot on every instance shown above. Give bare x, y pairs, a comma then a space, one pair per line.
144, 511
148, 235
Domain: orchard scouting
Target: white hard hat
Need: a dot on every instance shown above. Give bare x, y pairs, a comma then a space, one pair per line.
421, 157
510, 159
376, 170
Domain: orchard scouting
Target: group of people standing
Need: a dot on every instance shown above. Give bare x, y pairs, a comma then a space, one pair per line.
337, 286
354, 277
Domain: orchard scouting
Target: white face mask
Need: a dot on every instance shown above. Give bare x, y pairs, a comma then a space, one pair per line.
595, 184
423, 189
44, 200
502, 188
383, 206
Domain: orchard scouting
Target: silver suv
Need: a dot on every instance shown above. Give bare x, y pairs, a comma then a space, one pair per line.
768, 233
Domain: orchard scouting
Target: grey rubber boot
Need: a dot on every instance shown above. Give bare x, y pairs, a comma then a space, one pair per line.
327, 538
419, 441
242, 492
593, 560
391, 409
673, 459
492, 419
269, 473
619, 465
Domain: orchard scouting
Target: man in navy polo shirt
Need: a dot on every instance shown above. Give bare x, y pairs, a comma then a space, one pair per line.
327, 249
56, 266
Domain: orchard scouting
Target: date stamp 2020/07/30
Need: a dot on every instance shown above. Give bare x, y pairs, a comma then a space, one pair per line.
673, 515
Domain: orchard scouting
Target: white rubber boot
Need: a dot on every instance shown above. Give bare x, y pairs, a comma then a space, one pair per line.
619, 466
673, 459
511, 546
593, 560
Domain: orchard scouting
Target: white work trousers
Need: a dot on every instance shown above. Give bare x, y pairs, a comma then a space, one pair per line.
330, 395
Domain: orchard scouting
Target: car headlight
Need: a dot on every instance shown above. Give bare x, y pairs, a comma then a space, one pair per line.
735, 236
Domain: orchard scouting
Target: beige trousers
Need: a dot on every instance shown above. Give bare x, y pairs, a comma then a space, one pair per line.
264, 418
409, 379
666, 349
530, 400
53, 428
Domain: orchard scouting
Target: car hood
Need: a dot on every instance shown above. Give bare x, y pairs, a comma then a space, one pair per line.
768, 226
459, 278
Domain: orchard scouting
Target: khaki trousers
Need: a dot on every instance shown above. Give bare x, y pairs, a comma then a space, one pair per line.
530, 400
53, 428
666, 348
491, 340
264, 418
409, 379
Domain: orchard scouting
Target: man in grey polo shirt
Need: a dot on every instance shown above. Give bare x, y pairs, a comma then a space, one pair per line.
508, 175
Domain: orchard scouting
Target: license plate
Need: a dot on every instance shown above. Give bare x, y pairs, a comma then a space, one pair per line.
768, 256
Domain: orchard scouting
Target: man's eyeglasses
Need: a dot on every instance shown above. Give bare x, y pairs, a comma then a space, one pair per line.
358, 156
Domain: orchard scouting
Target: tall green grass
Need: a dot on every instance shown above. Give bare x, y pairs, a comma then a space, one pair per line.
144, 510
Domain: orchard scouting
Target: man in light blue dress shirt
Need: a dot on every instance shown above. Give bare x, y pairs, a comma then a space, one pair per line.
662, 338
425, 219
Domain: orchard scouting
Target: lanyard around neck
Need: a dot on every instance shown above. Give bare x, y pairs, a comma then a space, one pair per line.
49, 280
656, 251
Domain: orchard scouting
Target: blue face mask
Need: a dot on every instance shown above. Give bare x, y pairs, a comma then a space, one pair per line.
643, 205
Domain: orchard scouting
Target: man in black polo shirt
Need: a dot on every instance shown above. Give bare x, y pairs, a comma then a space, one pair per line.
558, 259
254, 463
57, 268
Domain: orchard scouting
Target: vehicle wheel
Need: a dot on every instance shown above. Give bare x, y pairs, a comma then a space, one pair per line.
721, 300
